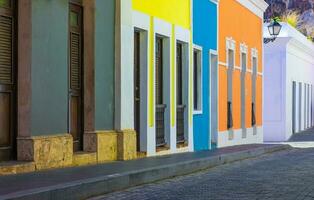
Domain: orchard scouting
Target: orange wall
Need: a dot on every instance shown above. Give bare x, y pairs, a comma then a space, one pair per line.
222, 102
243, 26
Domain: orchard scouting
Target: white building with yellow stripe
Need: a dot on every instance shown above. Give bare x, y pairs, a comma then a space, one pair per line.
160, 32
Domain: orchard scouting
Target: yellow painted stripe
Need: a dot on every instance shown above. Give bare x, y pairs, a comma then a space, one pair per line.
151, 95
173, 95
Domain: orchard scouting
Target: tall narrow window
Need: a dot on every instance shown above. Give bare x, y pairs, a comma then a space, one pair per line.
180, 105
294, 107
254, 80
76, 75
197, 79
137, 87
214, 99
160, 106
243, 93
230, 84
7, 78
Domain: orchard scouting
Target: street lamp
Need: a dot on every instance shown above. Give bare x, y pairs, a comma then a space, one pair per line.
274, 29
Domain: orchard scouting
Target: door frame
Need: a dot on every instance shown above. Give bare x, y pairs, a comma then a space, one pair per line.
13, 91
88, 67
211, 75
77, 5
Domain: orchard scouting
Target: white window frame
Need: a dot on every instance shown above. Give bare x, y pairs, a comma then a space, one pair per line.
200, 78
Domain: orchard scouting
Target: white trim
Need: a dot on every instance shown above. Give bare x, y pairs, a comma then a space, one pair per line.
214, 1
224, 140
200, 51
222, 64
181, 34
162, 28
258, 7
213, 52
254, 52
243, 48
237, 68
140, 20
230, 43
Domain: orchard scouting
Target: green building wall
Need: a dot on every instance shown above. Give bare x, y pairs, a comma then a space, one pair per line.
49, 109
49, 67
104, 64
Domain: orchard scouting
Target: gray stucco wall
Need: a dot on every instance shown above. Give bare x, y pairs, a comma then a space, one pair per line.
104, 64
49, 67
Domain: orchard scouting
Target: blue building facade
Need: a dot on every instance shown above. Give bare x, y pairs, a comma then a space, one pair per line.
205, 42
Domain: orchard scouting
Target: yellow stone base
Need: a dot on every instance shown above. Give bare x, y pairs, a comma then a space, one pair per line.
56, 151
127, 145
84, 158
46, 151
112, 145
15, 167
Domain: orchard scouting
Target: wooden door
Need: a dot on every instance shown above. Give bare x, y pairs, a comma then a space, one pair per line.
180, 105
76, 76
7, 80
137, 87
160, 106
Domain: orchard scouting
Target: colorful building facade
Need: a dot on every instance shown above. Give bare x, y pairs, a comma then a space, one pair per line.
90, 81
57, 85
205, 60
162, 75
288, 85
240, 77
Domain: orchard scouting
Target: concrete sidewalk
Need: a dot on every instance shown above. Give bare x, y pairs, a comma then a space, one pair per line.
84, 182
303, 136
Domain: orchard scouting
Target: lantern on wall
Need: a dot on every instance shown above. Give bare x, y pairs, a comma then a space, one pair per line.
274, 29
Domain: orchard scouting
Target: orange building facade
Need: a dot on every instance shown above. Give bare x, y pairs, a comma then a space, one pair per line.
240, 92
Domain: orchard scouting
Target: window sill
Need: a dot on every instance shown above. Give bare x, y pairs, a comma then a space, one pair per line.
197, 112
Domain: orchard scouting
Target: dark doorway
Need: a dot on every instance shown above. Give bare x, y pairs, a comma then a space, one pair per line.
160, 106
294, 106
180, 104
8, 73
76, 75
137, 92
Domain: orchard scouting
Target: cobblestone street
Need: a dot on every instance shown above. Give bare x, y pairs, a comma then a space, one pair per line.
283, 175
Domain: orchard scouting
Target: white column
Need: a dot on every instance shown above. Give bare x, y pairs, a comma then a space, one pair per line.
124, 92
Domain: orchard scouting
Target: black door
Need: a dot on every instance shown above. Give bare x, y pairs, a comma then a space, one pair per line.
180, 105
160, 106
7, 79
137, 87
76, 76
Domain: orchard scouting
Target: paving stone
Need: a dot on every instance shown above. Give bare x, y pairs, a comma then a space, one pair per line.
279, 176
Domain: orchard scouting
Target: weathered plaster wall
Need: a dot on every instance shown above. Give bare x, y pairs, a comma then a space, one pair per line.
49, 67
104, 64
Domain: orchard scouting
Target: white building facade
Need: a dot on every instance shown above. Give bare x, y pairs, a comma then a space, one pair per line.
288, 85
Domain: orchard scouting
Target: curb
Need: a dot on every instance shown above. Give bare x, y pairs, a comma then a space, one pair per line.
87, 188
